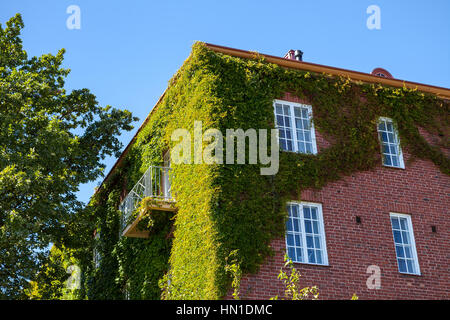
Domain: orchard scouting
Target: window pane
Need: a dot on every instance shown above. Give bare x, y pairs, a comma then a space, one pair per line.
399, 251
391, 137
308, 148
306, 124
301, 147
289, 225
308, 228
394, 161
397, 237
319, 257
307, 212
291, 253
405, 236
305, 113
389, 126
288, 134
311, 256
307, 136
309, 242
395, 223
317, 242
295, 224
280, 121
316, 227
298, 240
289, 145
299, 254
294, 211
314, 213
402, 265
387, 160
410, 266
393, 149
290, 239
278, 109
403, 224
408, 252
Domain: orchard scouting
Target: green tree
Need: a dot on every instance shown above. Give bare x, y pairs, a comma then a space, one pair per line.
51, 282
51, 142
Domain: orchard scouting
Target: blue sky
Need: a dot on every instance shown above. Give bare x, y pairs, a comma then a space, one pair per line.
126, 51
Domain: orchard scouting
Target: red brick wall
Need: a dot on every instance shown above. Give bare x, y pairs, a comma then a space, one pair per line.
420, 190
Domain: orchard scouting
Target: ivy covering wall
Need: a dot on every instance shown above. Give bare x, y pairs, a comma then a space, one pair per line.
222, 208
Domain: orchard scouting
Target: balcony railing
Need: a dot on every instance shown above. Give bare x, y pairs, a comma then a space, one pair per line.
154, 183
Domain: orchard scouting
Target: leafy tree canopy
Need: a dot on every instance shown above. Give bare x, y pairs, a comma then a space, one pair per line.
51, 282
51, 141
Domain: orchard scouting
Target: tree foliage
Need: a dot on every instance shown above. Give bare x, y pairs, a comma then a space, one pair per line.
58, 278
291, 282
51, 142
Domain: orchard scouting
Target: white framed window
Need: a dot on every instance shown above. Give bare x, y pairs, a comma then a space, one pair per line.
165, 176
390, 144
295, 127
305, 234
405, 246
97, 256
126, 291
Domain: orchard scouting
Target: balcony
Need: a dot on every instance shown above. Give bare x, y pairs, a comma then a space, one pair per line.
155, 183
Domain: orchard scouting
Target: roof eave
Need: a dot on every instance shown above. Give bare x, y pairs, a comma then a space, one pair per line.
317, 68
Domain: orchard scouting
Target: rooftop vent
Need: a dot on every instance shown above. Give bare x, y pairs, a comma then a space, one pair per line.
294, 55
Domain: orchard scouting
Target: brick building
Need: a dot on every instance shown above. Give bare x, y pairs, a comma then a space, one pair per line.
392, 218
357, 213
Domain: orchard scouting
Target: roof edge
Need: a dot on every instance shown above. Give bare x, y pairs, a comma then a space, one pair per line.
440, 92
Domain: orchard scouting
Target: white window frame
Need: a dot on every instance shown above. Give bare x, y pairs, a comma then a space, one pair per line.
294, 128
166, 179
97, 256
126, 291
401, 164
413, 242
323, 243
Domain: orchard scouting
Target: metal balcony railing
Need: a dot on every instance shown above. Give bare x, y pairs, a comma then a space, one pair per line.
154, 183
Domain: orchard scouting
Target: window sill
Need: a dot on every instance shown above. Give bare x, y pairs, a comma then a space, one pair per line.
410, 274
295, 152
312, 264
392, 167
